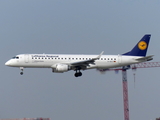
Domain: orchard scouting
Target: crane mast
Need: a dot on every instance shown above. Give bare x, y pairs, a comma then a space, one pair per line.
125, 94
125, 84
124, 80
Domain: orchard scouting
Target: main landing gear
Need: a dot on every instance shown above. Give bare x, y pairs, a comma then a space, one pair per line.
78, 74
21, 68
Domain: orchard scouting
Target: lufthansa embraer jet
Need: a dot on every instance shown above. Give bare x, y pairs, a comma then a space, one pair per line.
60, 63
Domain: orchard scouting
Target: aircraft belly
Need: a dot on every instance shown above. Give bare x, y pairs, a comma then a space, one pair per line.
91, 66
107, 64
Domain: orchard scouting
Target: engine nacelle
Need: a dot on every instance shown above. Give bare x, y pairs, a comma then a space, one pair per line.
60, 68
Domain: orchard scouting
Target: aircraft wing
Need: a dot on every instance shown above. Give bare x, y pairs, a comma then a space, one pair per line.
85, 63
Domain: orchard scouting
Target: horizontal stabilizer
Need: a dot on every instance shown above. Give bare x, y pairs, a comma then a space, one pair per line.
147, 58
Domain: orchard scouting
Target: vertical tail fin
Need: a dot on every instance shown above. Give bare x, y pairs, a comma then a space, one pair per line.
141, 48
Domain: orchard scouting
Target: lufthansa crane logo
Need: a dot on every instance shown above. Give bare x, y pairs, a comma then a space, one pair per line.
142, 45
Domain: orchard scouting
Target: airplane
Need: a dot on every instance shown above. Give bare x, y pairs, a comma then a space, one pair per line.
60, 63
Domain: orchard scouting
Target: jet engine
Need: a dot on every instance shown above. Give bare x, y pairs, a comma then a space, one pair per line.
60, 68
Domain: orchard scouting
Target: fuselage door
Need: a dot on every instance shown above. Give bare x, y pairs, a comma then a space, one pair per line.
26, 57
119, 59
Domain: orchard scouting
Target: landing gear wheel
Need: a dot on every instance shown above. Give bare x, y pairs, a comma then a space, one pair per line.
21, 68
78, 74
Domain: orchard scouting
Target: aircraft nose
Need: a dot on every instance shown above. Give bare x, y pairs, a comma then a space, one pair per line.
7, 63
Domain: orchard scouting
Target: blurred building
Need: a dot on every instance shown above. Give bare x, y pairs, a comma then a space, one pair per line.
27, 119
157, 118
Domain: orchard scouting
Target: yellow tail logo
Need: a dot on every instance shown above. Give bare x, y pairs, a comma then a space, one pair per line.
142, 45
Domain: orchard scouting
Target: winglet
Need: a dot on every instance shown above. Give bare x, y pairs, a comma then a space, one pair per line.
87, 62
100, 55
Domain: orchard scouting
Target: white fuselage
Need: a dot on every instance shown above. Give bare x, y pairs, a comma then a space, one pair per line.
49, 60
60, 63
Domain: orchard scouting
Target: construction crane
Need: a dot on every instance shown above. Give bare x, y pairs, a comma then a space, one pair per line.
124, 80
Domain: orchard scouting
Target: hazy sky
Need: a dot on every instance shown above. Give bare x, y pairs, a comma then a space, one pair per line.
78, 27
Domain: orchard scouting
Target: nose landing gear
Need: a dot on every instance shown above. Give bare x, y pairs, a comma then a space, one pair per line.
21, 68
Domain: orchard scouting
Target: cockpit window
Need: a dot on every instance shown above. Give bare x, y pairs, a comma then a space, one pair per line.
15, 57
